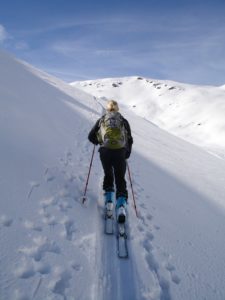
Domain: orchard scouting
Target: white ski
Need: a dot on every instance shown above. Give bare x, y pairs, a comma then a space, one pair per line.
109, 219
122, 249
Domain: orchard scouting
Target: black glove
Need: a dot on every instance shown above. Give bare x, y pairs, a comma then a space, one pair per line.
127, 155
94, 141
128, 150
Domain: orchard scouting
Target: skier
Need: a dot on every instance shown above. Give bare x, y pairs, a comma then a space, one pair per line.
112, 131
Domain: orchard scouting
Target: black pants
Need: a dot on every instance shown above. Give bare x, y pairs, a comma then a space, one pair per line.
114, 166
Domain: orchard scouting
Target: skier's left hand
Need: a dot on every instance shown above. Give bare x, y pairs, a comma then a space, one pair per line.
94, 140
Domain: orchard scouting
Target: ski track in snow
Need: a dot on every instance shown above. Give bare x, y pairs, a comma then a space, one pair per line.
116, 274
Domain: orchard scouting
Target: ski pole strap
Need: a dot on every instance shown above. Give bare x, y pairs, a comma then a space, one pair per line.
89, 171
131, 185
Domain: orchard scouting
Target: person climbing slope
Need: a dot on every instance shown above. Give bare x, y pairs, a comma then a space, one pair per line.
112, 132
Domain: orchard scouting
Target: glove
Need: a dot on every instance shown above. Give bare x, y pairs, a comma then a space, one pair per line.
128, 150
127, 155
95, 141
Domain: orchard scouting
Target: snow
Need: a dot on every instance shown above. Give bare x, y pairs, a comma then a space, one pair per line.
53, 246
194, 113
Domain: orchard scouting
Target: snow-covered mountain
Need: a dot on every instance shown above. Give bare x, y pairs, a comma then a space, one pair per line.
53, 247
194, 113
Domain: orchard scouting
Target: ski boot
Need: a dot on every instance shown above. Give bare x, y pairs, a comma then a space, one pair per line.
109, 203
121, 209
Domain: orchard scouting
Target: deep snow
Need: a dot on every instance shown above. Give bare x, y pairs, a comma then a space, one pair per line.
53, 247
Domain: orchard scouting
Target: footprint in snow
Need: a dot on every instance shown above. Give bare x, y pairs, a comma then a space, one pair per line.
48, 201
149, 217
156, 268
60, 281
172, 270
41, 246
6, 221
32, 226
50, 178
25, 269
47, 218
157, 227
141, 228
149, 236
42, 268
67, 159
69, 228
64, 193
77, 267
142, 205
139, 189
28, 268
50, 220
64, 206
143, 221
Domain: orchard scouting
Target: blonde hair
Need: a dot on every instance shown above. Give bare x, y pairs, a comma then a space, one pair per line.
112, 105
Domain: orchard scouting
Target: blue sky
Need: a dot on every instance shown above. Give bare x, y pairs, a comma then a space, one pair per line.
182, 40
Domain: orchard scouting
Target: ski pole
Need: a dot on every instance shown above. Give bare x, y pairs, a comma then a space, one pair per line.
131, 185
85, 190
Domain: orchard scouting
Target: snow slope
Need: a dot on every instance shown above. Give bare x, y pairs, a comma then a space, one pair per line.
194, 113
53, 247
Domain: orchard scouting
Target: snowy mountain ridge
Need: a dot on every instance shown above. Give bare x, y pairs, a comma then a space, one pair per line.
194, 113
52, 247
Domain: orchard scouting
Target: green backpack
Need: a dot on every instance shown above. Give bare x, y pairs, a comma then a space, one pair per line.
112, 133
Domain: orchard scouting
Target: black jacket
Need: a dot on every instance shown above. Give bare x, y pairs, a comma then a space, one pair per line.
93, 135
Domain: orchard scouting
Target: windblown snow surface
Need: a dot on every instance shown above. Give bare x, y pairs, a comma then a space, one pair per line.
53, 247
